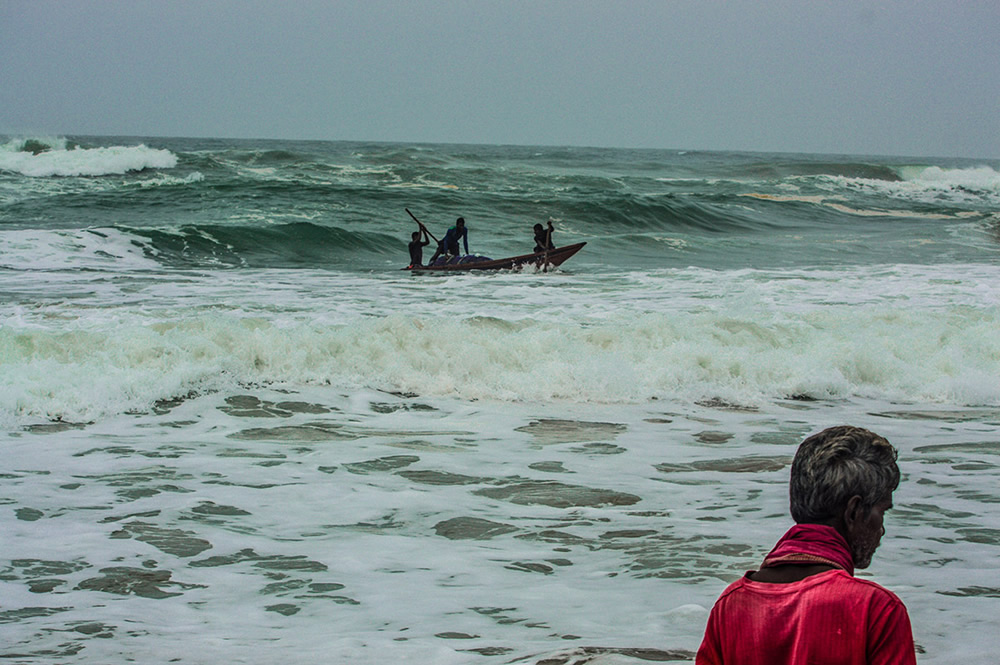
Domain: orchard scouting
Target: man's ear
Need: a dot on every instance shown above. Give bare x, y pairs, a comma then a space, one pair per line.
852, 513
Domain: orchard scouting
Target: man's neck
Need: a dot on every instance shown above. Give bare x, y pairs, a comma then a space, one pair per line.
788, 573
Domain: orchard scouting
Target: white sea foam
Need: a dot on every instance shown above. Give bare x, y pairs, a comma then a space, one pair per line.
980, 179
747, 338
164, 180
60, 161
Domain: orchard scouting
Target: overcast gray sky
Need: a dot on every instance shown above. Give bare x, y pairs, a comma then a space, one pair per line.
889, 77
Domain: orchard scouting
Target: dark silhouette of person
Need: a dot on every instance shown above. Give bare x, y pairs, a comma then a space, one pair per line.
417, 245
543, 238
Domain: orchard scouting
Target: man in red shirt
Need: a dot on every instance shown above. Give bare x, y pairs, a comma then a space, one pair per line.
804, 606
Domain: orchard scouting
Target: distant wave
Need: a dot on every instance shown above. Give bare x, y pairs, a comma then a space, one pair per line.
779, 169
289, 245
292, 245
41, 158
617, 212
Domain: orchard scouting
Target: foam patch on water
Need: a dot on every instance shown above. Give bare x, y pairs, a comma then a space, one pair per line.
87, 249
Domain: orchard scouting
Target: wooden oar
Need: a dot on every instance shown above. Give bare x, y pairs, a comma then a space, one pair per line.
421, 224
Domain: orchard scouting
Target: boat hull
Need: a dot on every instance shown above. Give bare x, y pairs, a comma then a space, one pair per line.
540, 260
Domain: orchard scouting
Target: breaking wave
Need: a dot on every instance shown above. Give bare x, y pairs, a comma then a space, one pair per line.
90, 371
40, 158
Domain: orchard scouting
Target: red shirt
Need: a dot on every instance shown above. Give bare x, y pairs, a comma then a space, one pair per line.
827, 619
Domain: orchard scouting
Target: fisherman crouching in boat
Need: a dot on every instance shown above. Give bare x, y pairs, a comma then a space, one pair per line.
449, 244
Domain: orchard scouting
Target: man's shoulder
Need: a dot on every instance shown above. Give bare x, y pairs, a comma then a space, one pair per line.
857, 591
874, 589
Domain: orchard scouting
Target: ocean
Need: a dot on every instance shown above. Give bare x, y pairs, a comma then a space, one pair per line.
234, 430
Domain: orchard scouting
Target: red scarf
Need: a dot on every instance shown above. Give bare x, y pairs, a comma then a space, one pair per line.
812, 543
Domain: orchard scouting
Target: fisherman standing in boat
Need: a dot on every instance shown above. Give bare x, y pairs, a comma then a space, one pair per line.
543, 238
449, 244
417, 247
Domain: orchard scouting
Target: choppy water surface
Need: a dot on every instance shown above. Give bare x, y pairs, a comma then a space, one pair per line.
233, 430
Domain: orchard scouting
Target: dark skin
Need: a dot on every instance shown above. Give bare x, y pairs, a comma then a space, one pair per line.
860, 528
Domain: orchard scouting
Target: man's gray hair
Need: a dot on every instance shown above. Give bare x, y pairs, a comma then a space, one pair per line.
840, 462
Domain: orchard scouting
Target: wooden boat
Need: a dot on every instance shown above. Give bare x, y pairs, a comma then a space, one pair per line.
540, 260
